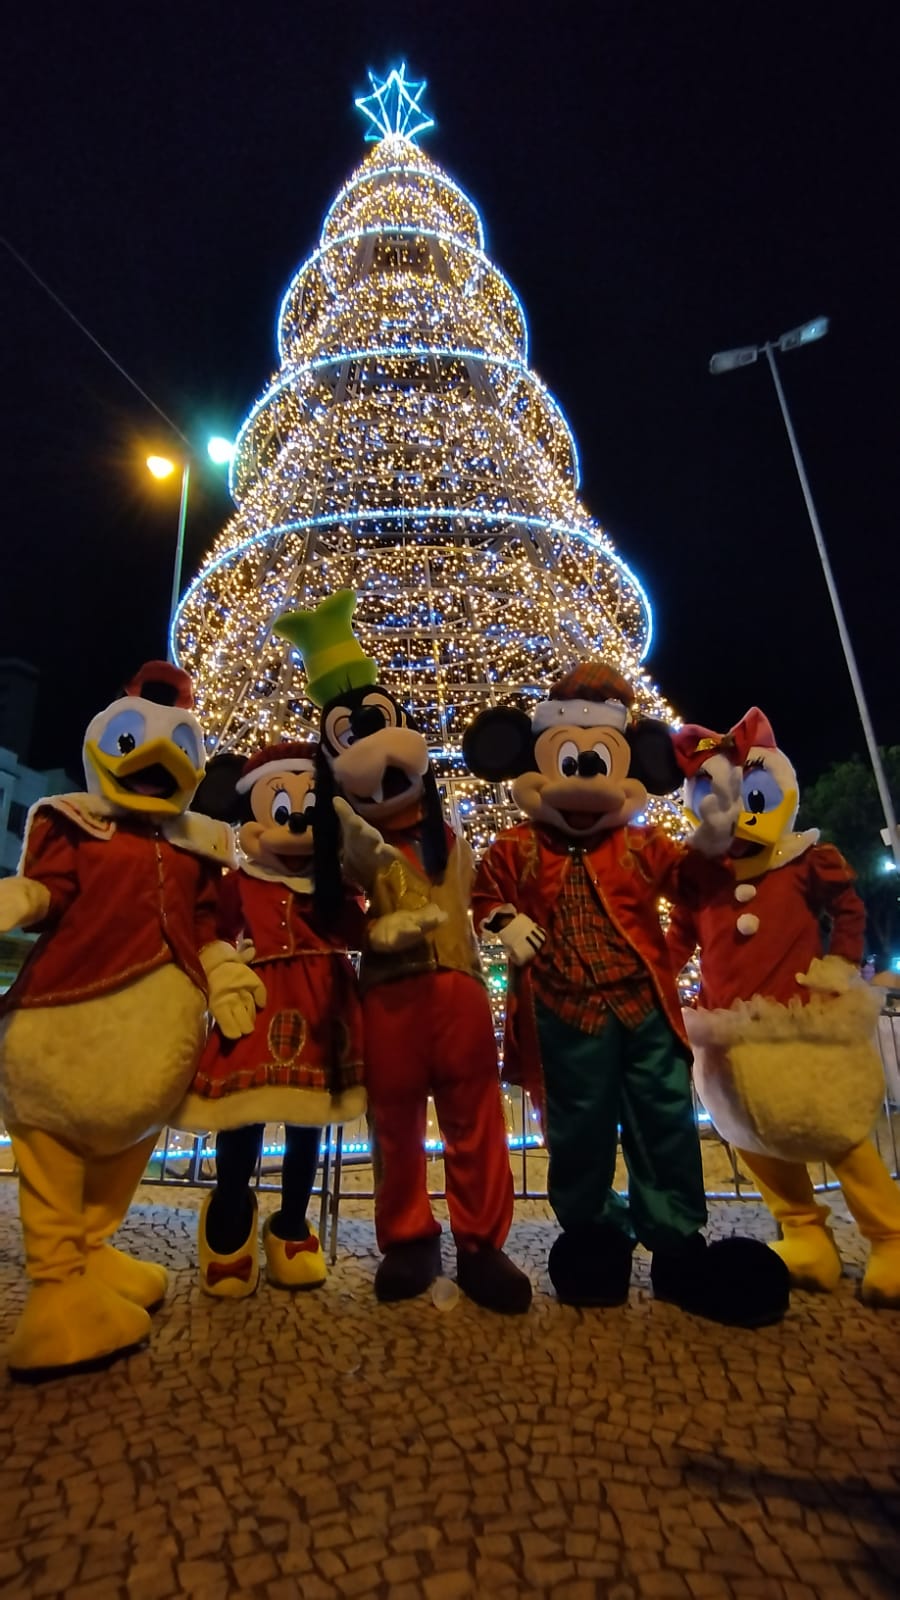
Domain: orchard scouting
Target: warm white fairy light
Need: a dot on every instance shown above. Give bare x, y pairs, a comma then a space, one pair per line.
406, 450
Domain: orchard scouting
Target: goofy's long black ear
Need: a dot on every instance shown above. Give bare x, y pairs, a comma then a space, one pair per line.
653, 760
434, 832
328, 893
216, 794
499, 744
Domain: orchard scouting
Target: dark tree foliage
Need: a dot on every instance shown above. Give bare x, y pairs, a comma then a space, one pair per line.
843, 804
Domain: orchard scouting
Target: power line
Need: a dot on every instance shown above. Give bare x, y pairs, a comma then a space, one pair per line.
94, 340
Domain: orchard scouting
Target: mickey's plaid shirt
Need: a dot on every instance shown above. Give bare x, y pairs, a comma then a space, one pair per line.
587, 970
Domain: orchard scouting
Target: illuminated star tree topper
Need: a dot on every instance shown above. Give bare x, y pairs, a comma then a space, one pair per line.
394, 106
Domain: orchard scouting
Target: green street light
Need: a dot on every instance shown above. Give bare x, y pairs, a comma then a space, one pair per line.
220, 451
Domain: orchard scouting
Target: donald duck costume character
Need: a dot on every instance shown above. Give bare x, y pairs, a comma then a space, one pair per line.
100, 1033
784, 1053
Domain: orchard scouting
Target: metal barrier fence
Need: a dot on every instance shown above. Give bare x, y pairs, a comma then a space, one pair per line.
182, 1161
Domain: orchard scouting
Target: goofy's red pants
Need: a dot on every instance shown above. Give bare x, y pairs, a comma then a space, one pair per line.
433, 1034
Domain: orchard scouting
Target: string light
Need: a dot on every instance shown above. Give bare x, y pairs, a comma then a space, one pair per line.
405, 449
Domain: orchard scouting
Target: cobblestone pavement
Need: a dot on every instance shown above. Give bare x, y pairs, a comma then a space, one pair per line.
322, 1446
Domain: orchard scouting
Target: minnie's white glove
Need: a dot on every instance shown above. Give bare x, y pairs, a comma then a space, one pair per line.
236, 993
398, 930
718, 812
522, 939
22, 901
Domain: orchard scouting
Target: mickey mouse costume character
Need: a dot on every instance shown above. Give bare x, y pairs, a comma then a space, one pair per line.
102, 1029
302, 1063
594, 1028
784, 1052
427, 1017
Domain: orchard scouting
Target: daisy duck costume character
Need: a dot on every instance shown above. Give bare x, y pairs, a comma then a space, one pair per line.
784, 1053
427, 1017
100, 1033
302, 1063
594, 1027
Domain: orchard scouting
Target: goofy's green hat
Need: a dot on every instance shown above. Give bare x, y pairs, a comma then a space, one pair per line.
332, 655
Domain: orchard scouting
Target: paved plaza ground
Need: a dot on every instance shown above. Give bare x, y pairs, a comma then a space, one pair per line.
323, 1446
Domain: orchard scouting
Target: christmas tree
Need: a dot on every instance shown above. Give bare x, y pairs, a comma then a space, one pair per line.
406, 450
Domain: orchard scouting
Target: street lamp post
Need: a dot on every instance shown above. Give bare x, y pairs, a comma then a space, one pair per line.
220, 451
744, 356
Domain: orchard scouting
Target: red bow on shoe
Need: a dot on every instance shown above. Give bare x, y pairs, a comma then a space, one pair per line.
293, 1247
218, 1271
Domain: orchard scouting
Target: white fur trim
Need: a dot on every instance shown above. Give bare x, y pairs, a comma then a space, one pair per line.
103, 1073
802, 1082
270, 769
96, 816
300, 885
303, 1108
579, 714
747, 924
745, 892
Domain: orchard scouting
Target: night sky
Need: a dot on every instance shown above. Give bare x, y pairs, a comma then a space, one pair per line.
658, 181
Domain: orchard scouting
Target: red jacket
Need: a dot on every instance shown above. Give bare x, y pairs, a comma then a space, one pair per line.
787, 903
120, 905
280, 921
630, 869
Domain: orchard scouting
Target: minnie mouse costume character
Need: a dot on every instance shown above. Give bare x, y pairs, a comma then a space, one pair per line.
427, 1017
302, 1064
784, 1052
102, 1029
594, 1028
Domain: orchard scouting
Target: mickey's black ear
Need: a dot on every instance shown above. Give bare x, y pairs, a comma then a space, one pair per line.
499, 744
653, 756
216, 795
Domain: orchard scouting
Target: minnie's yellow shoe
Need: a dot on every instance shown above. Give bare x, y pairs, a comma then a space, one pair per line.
72, 1324
810, 1254
294, 1263
143, 1282
234, 1276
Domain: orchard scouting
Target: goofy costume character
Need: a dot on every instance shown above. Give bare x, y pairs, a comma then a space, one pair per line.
427, 1019
784, 1054
594, 1028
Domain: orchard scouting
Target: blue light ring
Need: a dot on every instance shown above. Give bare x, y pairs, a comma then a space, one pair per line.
431, 170
591, 536
293, 377
447, 239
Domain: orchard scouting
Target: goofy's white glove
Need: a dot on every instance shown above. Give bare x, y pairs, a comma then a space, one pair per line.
236, 993
718, 813
22, 901
398, 930
522, 939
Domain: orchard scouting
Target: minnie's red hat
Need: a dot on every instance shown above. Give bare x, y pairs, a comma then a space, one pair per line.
276, 758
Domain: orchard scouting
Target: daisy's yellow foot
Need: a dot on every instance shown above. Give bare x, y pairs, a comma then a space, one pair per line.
294, 1263
809, 1252
881, 1283
66, 1325
143, 1282
233, 1276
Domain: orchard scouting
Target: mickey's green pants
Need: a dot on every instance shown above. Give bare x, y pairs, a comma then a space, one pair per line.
637, 1080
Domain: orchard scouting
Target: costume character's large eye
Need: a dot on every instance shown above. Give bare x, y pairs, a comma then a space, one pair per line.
187, 741
760, 790
697, 790
281, 808
123, 733
567, 758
